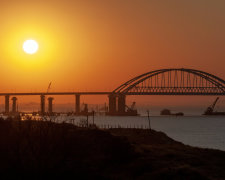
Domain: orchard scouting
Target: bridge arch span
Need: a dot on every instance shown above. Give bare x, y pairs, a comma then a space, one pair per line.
173, 82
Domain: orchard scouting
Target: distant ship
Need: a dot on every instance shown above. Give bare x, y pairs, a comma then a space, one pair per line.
168, 112
210, 109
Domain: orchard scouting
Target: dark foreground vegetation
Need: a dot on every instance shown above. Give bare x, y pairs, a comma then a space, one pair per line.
46, 150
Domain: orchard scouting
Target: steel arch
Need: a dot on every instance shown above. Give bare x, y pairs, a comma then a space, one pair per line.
180, 81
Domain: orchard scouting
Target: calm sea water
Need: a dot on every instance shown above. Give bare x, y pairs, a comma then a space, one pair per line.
199, 131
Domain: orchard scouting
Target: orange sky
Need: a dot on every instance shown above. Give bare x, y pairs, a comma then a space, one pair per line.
88, 45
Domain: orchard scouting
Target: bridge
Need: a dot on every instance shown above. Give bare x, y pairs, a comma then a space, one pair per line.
159, 82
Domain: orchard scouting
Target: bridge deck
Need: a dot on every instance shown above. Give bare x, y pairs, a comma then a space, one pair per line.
55, 93
108, 93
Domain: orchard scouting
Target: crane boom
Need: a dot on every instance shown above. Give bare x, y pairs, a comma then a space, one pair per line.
132, 106
213, 105
49, 86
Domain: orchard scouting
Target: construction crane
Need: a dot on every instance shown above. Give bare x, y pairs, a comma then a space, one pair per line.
131, 108
131, 111
49, 86
210, 109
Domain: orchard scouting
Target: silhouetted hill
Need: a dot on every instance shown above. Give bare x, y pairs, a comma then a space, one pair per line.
43, 150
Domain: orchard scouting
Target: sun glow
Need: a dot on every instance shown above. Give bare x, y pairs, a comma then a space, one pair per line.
30, 46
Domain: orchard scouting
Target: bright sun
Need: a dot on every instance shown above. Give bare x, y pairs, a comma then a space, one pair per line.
30, 46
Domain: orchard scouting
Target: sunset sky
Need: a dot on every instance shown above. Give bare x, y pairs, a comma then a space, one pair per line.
87, 45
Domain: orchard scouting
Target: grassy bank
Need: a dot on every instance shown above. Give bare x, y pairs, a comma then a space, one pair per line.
41, 150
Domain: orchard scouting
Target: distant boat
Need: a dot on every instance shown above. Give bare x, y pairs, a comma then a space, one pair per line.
168, 112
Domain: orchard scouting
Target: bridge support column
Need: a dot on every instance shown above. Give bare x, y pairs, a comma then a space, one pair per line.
42, 104
77, 107
121, 103
7, 104
14, 104
50, 105
112, 104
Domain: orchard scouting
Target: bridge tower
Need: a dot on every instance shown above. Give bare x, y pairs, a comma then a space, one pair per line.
14, 104
112, 104
121, 103
50, 105
77, 106
42, 104
7, 104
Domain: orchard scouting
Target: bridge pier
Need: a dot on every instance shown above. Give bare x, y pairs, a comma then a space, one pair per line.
7, 104
112, 104
42, 104
121, 103
77, 106
14, 104
50, 105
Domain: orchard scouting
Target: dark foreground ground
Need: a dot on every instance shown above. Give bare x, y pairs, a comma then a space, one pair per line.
45, 150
